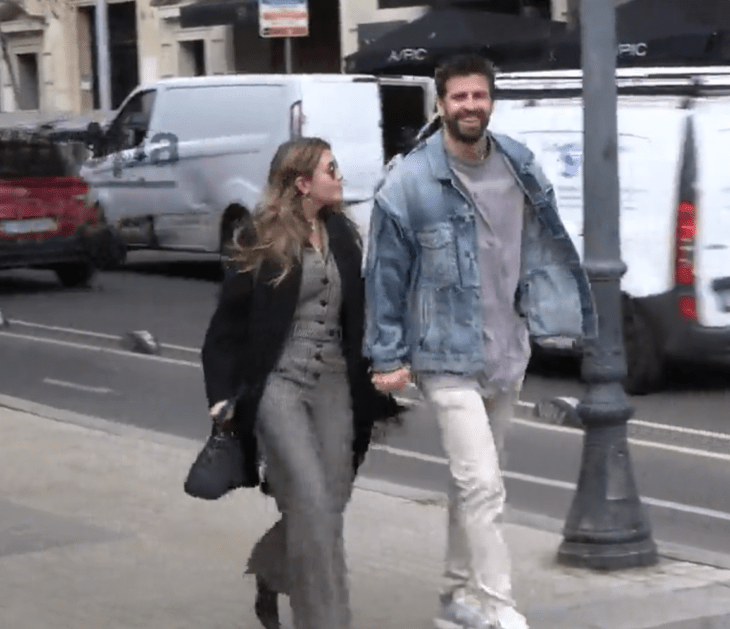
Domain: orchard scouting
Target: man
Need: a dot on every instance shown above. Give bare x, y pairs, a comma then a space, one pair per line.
467, 257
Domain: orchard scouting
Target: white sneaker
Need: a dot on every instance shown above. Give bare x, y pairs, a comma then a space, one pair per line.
510, 618
457, 615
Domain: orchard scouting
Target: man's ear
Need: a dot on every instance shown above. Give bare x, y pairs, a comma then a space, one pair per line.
439, 107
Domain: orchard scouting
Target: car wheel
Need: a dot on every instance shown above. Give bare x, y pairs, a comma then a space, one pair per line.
75, 274
644, 360
236, 219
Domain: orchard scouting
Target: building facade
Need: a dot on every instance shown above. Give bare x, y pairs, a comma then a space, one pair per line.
49, 50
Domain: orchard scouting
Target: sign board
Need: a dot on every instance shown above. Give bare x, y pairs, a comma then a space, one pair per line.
283, 18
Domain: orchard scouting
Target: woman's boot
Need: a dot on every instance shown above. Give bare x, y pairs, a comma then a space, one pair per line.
266, 606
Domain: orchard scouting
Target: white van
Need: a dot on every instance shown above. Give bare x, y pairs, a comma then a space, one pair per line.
674, 133
184, 158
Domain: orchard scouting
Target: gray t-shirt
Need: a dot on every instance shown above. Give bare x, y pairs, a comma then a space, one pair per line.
500, 207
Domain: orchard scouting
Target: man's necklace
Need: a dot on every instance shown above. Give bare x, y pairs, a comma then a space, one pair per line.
486, 150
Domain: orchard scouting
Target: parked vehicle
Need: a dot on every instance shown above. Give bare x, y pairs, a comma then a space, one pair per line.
674, 130
184, 159
46, 220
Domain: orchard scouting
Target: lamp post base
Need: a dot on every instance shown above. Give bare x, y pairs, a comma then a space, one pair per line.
608, 556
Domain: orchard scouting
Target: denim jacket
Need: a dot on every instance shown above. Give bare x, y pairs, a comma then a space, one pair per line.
422, 279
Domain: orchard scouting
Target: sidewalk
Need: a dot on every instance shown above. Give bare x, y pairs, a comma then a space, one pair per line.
96, 533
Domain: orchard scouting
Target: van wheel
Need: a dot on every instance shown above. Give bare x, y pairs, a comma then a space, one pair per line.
235, 218
75, 273
644, 359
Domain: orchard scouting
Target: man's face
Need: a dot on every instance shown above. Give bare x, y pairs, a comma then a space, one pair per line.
466, 106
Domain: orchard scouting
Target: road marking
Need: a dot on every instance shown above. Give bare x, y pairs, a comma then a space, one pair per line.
78, 387
681, 429
559, 484
638, 422
55, 328
578, 432
408, 454
99, 335
103, 350
403, 400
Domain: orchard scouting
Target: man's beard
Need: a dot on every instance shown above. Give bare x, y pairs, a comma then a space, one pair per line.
471, 137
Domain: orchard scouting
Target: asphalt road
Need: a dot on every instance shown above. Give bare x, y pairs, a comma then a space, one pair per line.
63, 349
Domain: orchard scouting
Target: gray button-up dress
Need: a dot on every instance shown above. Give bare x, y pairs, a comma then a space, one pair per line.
305, 430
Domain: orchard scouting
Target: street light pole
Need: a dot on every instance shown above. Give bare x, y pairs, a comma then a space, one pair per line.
606, 527
288, 55
102, 57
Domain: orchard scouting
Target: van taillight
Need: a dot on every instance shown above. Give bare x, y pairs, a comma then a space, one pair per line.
296, 120
684, 274
684, 270
688, 307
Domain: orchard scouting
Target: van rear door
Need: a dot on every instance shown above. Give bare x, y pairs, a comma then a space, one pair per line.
712, 245
650, 142
347, 115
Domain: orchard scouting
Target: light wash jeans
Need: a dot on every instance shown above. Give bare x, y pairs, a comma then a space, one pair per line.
473, 420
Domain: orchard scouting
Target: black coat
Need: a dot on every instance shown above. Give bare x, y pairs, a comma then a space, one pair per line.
250, 326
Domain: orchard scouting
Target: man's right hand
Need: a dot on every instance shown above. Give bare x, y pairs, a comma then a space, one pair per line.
393, 380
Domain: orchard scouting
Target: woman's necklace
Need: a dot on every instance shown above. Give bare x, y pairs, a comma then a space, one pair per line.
317, 236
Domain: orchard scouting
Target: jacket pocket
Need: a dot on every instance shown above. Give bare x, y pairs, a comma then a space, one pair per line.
551, 301
438, 256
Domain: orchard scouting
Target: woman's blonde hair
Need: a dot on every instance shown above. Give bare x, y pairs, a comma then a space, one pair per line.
281, 230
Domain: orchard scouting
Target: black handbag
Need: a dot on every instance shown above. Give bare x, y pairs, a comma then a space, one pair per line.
225, 463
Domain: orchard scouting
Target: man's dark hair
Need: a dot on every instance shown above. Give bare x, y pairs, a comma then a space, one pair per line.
463, 65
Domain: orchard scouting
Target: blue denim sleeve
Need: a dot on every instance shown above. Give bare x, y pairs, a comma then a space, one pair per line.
387, 283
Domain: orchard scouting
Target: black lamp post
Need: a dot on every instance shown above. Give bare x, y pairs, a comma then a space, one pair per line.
606, 527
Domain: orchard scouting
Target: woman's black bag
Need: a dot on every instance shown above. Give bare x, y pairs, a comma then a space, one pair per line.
226, 462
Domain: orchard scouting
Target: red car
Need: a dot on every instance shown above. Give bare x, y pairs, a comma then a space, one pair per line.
45, 219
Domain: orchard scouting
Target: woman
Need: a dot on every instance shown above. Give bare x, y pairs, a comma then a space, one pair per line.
290, 323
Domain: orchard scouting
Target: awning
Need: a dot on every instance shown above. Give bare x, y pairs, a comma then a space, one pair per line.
224, 12
657, 32
417, 47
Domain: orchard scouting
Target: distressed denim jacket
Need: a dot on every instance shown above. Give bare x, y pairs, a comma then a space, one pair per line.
422, 277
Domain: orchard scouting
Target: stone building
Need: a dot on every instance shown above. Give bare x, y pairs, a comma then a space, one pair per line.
51, 44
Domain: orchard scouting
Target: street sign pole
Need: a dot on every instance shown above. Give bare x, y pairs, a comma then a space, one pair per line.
288, 55
606, 527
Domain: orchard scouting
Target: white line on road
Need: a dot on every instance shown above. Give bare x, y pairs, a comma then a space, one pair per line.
78, 387
99, 335
55, 328
669, 427
636, 442
559, 484
103, 350
681, 429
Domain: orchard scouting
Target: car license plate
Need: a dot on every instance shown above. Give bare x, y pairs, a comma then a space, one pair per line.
28, 226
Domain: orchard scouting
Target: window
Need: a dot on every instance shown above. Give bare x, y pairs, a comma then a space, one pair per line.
28, 83
220, 111
22, 155
191, 59
130, 127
